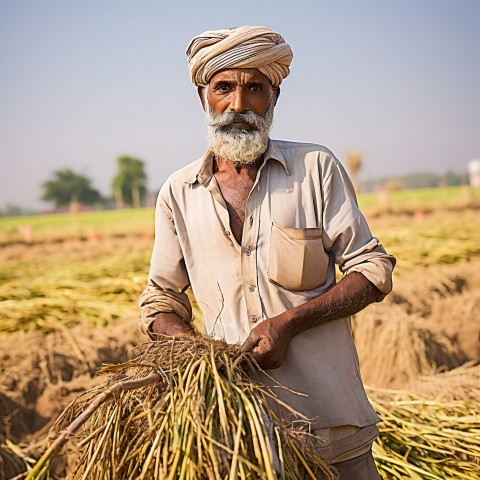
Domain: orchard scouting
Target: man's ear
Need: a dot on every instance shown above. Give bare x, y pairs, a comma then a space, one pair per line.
201, 94
276, 92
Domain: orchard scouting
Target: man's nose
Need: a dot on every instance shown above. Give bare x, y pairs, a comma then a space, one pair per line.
238, 101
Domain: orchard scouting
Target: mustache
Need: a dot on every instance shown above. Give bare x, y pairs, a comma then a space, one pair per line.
223, 120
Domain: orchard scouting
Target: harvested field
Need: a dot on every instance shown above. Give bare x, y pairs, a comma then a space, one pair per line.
67, 307
461, 383
420, 438
429, 324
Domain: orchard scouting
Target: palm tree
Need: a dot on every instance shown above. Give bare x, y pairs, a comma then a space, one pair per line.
129, 185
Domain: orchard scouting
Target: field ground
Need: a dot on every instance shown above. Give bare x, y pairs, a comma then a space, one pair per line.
68, 304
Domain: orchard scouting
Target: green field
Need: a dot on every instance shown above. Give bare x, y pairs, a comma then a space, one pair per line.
428, 199
130, 222
59, 226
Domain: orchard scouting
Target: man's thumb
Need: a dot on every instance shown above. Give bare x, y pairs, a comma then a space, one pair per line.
250, 343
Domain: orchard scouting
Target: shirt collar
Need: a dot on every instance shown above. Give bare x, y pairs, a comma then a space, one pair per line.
274, 153
205, 172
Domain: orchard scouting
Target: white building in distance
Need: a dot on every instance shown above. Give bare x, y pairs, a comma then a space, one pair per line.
474, 172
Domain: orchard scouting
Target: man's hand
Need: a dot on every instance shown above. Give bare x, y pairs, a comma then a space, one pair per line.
268, 342
172, 325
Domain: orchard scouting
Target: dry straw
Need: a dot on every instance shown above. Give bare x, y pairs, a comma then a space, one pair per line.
51, 295
184, 409
395, 347
462, 383
422, 439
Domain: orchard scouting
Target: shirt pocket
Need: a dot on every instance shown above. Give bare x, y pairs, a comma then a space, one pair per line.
297, 259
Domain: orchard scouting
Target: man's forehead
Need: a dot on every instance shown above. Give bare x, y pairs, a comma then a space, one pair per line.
240, 75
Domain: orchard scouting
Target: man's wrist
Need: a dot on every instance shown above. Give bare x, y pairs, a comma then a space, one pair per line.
286, 324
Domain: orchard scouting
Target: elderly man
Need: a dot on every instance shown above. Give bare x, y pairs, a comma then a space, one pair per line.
256, 227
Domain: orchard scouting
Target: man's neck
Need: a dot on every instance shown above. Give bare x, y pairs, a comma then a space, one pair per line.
235, 185
224, 166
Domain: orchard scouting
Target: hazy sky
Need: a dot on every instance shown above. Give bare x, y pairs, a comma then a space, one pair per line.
83, 82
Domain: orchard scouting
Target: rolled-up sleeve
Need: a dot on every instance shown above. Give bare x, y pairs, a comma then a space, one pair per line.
347, 235
168, 278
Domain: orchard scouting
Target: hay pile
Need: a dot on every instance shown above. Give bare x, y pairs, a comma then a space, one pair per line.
465, 333
423, 439
395, 348
419, 289
424, 327
185, 408
462, 383
36, 368
9, 461
40, 374
448, 298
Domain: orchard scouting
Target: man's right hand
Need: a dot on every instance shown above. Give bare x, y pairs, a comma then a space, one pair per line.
172, 325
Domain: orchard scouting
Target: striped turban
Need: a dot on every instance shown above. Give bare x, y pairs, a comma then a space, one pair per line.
243, 47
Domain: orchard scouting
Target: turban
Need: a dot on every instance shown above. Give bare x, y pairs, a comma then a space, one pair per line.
243, 47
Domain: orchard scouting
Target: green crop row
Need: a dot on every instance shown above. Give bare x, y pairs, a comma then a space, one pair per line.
134, 222
61, 226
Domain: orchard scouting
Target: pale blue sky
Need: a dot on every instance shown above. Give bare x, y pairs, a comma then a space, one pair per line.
83, 82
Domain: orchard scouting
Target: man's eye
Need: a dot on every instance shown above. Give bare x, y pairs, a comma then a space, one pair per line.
222, 88
256, 88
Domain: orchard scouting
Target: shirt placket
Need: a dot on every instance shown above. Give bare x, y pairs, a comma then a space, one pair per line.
222, 213
249, 255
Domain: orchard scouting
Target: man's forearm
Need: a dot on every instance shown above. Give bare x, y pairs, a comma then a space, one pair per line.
352, 294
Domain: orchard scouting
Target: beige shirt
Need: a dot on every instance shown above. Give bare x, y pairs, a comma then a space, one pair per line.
301, 219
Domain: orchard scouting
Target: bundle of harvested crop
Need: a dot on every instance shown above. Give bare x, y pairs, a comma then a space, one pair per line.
422, 439
185, 409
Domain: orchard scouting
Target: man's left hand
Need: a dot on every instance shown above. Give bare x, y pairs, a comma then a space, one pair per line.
268, 342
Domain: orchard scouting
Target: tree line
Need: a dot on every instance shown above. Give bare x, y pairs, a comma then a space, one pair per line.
416, 180
68, 188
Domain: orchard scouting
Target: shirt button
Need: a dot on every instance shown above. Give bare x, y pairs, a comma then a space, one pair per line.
251, 288
248, 252
227, 232
253, 318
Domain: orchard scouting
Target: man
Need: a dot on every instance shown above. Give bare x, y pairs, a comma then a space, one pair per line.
256, 227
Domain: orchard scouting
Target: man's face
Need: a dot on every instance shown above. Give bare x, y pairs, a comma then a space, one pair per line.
240, 90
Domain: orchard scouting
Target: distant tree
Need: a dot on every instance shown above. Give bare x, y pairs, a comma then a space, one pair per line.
69, 188
452, 178
129, 185
420, 180
11, 210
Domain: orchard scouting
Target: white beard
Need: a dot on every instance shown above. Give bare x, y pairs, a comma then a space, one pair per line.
238, 146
